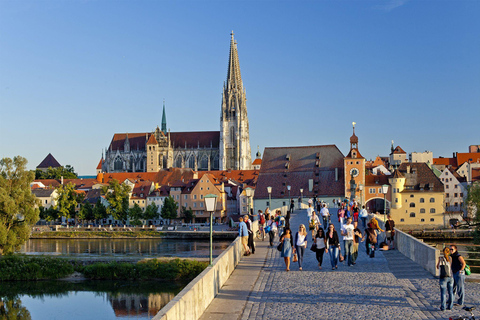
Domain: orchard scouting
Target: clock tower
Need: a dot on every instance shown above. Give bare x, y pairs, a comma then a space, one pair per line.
354, 169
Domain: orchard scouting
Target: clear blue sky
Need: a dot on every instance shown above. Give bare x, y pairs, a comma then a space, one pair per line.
72, 73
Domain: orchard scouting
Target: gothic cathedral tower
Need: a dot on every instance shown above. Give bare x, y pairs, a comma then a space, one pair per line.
354, 169
235, 151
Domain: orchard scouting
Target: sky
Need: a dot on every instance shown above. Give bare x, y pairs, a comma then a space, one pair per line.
74, 72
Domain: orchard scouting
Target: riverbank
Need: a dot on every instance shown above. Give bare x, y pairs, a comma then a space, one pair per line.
147, 234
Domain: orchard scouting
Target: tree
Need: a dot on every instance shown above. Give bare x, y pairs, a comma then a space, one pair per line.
18, 212
86, 212
49, 214
473, 206
135, 214
151, 212
188, 214
117, 196
169, 209
99, 212
67, 200
56, 173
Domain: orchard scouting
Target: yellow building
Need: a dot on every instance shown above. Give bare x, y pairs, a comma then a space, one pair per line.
417, 197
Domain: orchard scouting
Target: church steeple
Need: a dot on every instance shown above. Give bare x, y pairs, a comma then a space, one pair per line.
234, 129
164, 119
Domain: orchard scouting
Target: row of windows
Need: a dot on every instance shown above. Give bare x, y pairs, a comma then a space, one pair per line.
351, 162
421, 220
454, 195
422, 200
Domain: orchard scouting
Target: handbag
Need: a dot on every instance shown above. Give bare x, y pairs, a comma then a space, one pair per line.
280, 246
445, 271
268, 229
313, 247
295, 258
467, 270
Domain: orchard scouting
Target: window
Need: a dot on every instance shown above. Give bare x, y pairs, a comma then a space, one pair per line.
194, 197
186, 205
455, 195
446, 186
456, 204
201, 196
371, 190
201, 204
268, 204
461, 194
379, 190
432, 220
412, 205
412, 214
194, 204
447, 195
178, 196
185, 196
422, 220
396, 200
402, 220
432, 210
422, 200
422, 210
411, 196
432, 199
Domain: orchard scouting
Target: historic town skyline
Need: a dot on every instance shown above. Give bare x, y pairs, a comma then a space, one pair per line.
74, 73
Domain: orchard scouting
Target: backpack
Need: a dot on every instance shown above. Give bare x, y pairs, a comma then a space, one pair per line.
262, 219
445, 269
371, 236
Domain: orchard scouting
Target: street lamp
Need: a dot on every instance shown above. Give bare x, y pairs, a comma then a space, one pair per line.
289, 197
210, 204
360, 187
384, 191
269, 190
301, 198
248, 193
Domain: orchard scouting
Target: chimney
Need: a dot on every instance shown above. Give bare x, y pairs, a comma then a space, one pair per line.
61, 180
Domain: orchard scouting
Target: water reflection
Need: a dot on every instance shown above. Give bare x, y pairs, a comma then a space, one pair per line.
124, 247
85, 299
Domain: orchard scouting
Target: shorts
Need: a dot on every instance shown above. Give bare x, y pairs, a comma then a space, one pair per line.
245, 241
390, 235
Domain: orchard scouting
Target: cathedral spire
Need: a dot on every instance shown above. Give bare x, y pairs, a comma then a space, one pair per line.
164, 119
234, 77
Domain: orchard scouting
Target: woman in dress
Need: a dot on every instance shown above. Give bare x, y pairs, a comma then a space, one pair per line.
300, 244
446, 280
287, 241
320, 243
332, 245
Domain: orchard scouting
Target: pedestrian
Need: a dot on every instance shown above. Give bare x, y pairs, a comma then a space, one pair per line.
267, 214
347, 233
243, 234
272, 229
370, 236
325, 216
390, 232
251, 244
320, 246
313, 224
458, 270
287, 241
376, 227
287, 219
292, 205
333, 245
356, 211
309, 213
300, 244
261, 223
281, 222
357, 237
319, 206
363, 216
341, 215
446, 279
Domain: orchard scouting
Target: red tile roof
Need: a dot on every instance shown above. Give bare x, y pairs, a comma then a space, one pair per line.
152, 140
99, 167
49, 161
162, 177
380, 179
398, 149
445, 162
465, 157
257, 161
420, 175
242, 176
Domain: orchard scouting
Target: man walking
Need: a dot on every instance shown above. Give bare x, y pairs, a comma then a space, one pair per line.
248, 222
309, 213
347, 233
363, 216
458, 270
243, 234
325, 215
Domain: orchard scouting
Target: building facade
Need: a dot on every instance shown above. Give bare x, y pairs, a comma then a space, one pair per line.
226, 149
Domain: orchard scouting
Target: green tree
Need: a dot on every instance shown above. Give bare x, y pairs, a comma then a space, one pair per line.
117, 196
49, 214
169, 209
99, 211
135, 214
188, 214
18, 212
86, 212
473, 207
67, 200
151, 212
57, 173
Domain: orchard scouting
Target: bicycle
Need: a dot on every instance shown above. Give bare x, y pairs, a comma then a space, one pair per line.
468, 309
260, 234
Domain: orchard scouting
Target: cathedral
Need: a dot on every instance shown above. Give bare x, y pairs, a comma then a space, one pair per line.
226, 149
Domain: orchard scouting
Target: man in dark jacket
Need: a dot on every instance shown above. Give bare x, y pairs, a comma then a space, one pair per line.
251, 244
458, 270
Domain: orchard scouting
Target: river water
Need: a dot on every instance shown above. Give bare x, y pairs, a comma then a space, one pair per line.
104, 300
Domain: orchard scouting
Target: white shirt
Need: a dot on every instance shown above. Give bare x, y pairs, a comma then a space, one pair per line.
348, 229
301, 240
309, 213
320, 243
363, 213
324, 211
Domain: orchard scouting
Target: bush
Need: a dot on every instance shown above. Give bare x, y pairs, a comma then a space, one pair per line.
33, 268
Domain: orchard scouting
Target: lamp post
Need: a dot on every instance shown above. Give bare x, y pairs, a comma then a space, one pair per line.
248, 193
269, 190
301, 198
210, 204
360, 187
384, 191
289, 197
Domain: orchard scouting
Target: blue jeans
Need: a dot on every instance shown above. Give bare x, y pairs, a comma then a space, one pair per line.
325, 222
364, 222
348, 251
333, 251
446, 285
459, 284
300, 252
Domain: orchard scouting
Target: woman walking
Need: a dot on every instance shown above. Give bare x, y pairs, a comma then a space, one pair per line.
446, 279
313, 224
333, 245
341, 215
371, 236
300, 244
272, 229
320, 246
287, 241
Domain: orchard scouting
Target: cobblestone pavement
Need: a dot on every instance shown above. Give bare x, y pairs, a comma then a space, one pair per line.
389, 286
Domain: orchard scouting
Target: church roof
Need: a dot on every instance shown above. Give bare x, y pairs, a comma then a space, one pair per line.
99, 167
257, 161
152, 140
234, 77
49, 161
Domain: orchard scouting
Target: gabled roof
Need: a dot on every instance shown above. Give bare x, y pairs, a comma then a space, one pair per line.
99, 167
42, 193
398, 150
397, 174
420, 176
349, 155
152, 140
467, 157
257, 161
141, 189
49, 161
445, 162
242, 176
162, 177
376, 179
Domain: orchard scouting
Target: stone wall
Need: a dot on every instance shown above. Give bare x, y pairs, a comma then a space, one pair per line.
194, 299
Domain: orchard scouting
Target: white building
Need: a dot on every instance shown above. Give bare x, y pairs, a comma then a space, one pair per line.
454, 193
426, 157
